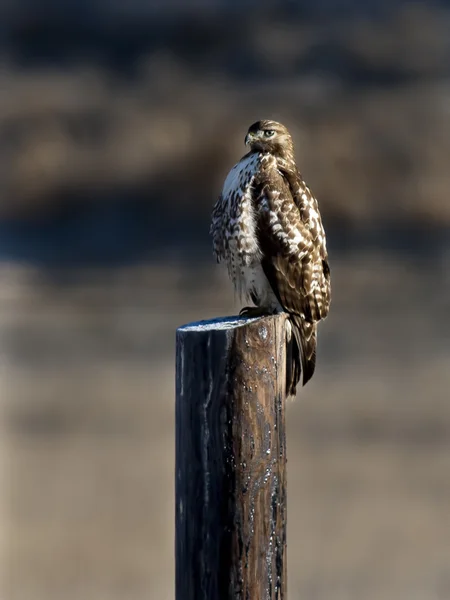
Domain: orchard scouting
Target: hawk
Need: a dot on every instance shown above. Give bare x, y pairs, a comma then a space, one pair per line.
266, 227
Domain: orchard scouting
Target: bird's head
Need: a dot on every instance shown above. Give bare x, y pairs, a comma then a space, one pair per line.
270, 136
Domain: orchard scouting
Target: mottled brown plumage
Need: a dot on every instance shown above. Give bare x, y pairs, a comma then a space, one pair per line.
266, 226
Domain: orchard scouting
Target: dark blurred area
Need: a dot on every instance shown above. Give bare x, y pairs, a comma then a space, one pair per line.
118, 124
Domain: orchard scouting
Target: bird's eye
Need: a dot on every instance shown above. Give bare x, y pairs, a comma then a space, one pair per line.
268, 133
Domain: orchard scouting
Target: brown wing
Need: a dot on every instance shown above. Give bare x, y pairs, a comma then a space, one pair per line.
294, 255
294, 260
310, 216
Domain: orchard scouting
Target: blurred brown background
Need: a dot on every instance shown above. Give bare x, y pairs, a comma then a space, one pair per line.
118, 124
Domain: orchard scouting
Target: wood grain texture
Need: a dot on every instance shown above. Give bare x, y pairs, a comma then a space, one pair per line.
231, 460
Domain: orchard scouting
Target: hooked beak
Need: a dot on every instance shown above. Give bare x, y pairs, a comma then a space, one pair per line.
249, 138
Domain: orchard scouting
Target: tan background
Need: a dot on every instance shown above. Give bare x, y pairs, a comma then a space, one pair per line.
116, 130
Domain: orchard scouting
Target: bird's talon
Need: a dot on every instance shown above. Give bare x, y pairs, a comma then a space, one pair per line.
252, 312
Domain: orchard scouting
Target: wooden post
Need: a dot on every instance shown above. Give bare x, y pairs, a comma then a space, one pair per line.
231, 460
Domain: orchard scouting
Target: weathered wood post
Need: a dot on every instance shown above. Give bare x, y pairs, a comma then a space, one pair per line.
231, 460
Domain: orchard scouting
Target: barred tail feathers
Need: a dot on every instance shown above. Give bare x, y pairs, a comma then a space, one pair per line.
293, 361
303, 352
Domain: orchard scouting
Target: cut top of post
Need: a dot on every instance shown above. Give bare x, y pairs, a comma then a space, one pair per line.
218, 323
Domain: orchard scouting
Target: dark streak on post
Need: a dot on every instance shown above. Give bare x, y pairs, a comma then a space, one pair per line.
231, 460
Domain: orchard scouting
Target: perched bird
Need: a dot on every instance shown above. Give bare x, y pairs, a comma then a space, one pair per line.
266, 227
